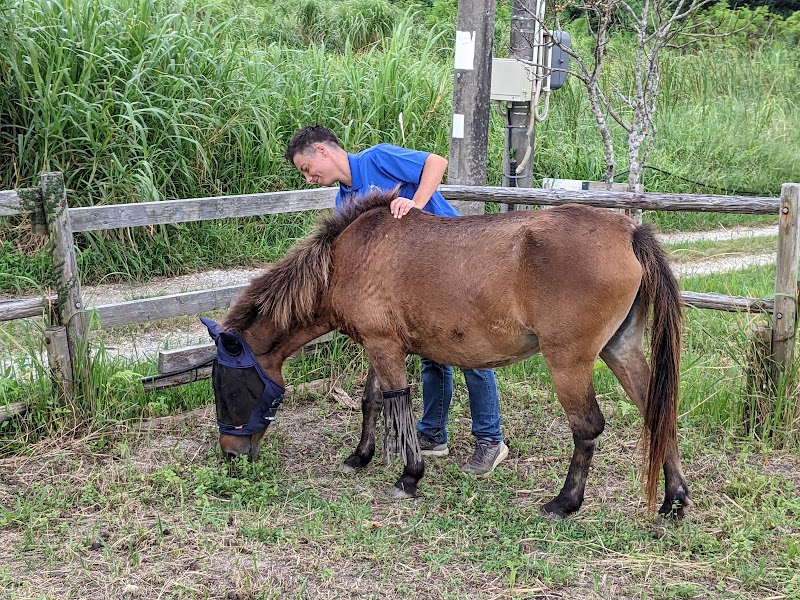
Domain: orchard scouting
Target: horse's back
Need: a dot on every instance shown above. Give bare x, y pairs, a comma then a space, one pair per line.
575, 242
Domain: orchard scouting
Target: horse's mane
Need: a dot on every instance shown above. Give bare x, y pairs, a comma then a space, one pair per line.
287, 293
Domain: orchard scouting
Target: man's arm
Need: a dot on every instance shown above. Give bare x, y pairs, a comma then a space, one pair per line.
430, 178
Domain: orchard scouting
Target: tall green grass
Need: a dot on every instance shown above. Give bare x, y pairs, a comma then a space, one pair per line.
111, 391
726, 118
719, 357
143, 101
140, 100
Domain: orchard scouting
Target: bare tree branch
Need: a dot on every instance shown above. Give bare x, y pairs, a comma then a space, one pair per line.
655, 24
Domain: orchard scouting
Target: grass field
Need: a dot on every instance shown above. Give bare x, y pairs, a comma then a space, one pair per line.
154, 512
123, 494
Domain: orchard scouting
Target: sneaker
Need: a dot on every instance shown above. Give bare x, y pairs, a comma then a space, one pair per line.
487, 456
430, 447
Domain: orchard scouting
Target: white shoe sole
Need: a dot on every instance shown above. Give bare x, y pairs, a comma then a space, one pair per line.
435, 453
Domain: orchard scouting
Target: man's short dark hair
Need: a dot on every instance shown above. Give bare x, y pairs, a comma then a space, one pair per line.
306, 137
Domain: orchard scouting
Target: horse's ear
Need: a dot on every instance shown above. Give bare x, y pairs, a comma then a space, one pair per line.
230, 343
213, 327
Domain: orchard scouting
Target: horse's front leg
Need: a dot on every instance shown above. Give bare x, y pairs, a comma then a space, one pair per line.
371, 405
389, 362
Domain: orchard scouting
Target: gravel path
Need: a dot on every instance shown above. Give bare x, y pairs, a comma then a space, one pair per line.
722, 264
717, 235
146, 341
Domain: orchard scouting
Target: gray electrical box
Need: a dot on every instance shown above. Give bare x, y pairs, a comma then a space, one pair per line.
559, 60
512, 80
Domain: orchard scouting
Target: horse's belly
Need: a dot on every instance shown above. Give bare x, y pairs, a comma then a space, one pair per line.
477, 352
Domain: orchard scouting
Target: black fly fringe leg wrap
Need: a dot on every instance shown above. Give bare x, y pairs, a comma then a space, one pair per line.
399, 432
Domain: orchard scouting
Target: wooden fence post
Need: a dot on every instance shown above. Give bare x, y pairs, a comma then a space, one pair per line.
472, 80
785, 312
57, 345
68, 286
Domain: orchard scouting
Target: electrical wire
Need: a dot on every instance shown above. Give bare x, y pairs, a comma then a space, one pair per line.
692, 181
534, 115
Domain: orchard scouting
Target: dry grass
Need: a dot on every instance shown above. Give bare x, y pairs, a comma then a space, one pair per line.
150, 514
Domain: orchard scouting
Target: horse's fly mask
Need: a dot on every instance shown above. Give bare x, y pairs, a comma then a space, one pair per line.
238, 378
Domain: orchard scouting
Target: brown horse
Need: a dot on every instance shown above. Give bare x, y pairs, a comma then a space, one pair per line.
573, 283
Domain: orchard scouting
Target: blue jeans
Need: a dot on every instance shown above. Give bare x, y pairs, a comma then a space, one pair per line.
437, 392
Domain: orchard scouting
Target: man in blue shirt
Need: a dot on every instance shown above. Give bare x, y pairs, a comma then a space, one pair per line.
316, 153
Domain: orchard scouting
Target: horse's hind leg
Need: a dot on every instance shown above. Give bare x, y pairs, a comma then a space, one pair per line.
575, 392
371, 405
625, 357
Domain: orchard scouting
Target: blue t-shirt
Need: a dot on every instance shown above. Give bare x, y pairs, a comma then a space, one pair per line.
385, 167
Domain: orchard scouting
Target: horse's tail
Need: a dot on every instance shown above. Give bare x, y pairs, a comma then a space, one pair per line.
659, 289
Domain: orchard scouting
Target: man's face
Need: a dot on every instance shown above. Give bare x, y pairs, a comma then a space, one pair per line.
317, 166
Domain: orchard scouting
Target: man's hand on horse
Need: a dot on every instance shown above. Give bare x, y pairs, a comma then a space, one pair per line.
400, 207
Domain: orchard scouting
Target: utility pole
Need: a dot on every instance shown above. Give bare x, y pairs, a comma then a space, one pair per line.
518, 114
471, 86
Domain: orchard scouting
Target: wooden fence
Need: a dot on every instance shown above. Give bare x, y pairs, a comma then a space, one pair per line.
50, 214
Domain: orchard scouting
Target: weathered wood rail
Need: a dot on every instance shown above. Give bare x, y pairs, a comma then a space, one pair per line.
613, 199
10, 203
48, 209
193, 303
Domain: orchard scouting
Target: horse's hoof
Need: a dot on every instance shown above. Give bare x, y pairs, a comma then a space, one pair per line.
553, 516
671, 511
556, 510
352, 464
398, 494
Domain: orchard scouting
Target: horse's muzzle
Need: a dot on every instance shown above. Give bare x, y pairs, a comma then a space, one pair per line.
234, 446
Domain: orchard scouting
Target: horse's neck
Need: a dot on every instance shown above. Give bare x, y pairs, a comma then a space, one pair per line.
286, 344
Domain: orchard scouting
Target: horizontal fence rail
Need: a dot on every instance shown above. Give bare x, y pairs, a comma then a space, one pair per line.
727, 303
10, 203
177, 367
95, 218
166, 307
22, 308
11, 410
612, 199
191, 303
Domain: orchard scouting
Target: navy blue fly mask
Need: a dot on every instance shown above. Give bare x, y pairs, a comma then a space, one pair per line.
238, 378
